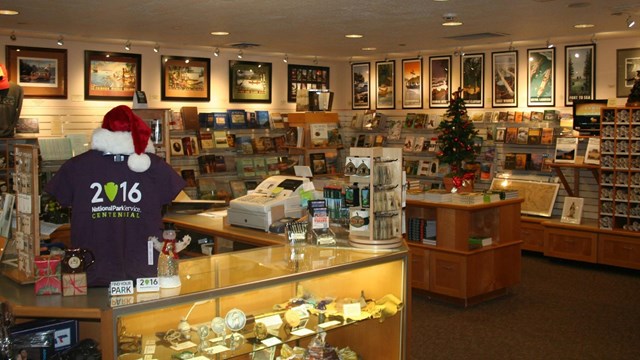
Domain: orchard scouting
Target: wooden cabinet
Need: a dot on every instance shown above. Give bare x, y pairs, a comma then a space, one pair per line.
570, 241
532, 234
619, 250
450, 269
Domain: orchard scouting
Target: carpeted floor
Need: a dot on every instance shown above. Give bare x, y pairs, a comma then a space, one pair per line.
560, 310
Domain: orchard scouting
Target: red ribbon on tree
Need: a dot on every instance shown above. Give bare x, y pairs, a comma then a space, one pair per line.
458, 181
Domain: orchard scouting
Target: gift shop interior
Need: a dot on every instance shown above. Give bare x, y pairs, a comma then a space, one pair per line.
433, 179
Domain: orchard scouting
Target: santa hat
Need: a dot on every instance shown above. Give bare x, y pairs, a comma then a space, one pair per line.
125, 133
4, 77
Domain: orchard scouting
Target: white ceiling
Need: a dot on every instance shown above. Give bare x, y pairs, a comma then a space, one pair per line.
306, 28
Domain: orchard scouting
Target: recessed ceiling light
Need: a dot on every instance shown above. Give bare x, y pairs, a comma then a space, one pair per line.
8, 12
354, 36
583, 26
368, 49
219, 33
450, 20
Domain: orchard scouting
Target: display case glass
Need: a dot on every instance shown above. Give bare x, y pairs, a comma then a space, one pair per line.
254, 303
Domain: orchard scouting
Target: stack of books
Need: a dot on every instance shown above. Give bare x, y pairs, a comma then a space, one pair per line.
476, 242
469, 198
421, 230
438, 195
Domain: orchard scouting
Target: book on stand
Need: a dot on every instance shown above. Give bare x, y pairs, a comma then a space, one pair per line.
190, 117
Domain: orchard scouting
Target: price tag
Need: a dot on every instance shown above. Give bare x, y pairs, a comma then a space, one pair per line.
124, 287
147, 284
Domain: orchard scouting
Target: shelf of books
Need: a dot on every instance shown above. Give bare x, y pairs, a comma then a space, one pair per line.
314, 139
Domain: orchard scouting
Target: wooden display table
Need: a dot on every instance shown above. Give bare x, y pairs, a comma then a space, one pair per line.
449, 269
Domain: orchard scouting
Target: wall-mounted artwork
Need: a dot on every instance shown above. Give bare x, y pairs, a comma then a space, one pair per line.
412, 83
185, 78
111, 76
360, 79
249, 82
504, 87
580, 73
472, 79
541, 79
439, 81
41, 72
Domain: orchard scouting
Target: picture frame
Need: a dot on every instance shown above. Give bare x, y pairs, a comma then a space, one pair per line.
412, 94
48, 81
541, 78
185, 78
572, 210
385, 84
306, 77
250, 82
580, 73
111, 76
504, 77
627, 66
539, 197
439, 81
360, 79
472, 79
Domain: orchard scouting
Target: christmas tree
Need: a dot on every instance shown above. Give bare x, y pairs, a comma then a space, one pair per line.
455, 138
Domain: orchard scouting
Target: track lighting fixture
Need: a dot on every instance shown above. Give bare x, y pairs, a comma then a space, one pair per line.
549, 44
286, 58
630, 22
156, 48
419, 56
511, 48
13, 36
127, 45
593, 39
60, 41
240, 54
315, 60
216, 52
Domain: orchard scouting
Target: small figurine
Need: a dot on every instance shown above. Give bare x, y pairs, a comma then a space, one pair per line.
168, 274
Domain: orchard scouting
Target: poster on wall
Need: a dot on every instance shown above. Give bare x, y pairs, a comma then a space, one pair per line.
41, 72
360, 83
249, 82
627, 68
472, 79
439, 81
541, 80
386, 79
580, 73
412, 83
504, 90
306, 77
185, 79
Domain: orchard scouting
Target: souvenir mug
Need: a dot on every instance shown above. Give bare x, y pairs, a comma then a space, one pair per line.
77, 260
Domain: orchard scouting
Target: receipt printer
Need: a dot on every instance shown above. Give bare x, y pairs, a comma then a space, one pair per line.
275, 198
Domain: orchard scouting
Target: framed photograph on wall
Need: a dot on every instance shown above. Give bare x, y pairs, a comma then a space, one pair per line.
439, 81
360, 79
572, 210
412, 83
580, 73
249, 82
541, 80
472, 79
627, 67
185, 78
111, 76
504, 87
385, 81
41, 72
306, 77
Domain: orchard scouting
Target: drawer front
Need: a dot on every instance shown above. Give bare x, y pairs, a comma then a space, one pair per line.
619, 251
448, 274
571, 244
532, 236
419, 269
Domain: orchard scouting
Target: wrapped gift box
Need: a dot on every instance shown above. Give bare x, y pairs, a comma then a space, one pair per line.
74, 284
47, 269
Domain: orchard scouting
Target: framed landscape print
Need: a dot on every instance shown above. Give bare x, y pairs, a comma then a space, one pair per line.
504, 87
111, 76
541, 80
627, 67
539, 197
41, 72
439, 81
580, 73
472, 79
385, 81
249, 82
360, 86
306, 77
412, 83
185, 78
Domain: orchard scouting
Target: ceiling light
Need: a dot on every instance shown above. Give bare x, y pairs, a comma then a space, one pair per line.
156, 48
216, 52
127, 45
549, 44
354, 36
8, 12
13, 36
450, 20
286, 58
219, 33
368, 49
630, 22
60, 41
583, 26
240, 54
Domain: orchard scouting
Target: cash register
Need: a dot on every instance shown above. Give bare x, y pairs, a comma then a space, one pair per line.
275, 198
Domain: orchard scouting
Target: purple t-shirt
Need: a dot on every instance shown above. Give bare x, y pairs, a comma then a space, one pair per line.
114, 211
